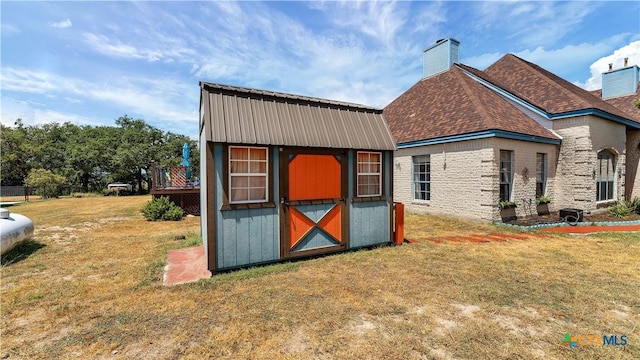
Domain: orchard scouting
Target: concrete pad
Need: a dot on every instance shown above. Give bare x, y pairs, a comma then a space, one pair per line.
185, 266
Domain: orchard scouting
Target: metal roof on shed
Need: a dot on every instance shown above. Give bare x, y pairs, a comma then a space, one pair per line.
231, 114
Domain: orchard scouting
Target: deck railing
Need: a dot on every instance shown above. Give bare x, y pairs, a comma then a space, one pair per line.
174, 177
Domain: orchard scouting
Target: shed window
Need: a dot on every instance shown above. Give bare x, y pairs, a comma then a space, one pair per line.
422, 177
506, 174
369, 176
248, 179
605, 176
541, 174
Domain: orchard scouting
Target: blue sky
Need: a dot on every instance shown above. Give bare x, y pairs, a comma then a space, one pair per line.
92, 62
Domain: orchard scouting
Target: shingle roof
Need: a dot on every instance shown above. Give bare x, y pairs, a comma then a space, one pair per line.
231, 114
542, 88
452, 103
624, 103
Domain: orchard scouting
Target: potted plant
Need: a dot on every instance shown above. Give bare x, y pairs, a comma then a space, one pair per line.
507, 210
542, 204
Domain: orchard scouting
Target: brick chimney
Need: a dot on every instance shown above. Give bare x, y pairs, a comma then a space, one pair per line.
440, 56
620, 82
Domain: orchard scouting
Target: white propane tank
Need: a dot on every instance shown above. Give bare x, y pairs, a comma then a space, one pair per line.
14, 228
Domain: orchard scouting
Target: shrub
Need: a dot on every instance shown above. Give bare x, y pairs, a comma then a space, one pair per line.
49, 185
507, 205
543, 199
635, 205
162, 209
621, 209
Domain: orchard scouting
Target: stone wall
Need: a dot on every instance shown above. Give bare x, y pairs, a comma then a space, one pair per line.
632, 170
582, 138
465, 177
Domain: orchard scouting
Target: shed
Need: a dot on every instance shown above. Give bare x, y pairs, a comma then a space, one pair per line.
286, 176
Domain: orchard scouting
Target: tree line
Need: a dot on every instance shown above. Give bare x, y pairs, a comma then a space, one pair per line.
90, 157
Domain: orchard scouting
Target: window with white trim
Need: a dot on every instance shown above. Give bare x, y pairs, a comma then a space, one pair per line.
248, 180
422, 177
506, 174
369, 177
541, 174
605, 176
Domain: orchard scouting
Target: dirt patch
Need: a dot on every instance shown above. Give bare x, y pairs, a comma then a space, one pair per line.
483, 238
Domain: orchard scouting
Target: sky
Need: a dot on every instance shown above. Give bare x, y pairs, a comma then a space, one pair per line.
90, 63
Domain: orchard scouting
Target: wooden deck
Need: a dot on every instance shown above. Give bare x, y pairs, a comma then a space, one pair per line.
180, 191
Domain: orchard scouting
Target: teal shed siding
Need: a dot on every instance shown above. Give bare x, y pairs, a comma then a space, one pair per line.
370, 220
247, 236
369, 223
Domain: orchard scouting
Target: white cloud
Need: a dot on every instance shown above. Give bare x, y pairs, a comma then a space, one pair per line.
34, 114
62, 24
540, 23
482, 61
570, 57
379, 20
630, 51
372, 55
168, 100
167, 49
9, 29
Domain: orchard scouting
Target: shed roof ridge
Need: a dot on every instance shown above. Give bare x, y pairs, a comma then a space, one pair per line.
247, 90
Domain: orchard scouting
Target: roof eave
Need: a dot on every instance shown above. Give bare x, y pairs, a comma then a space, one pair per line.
480, 135
595, 112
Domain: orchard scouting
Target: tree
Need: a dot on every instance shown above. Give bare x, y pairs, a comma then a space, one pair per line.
18, 152
140, 144
90, 157
48, 183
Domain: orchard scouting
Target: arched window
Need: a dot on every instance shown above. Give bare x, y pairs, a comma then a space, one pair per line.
605, 175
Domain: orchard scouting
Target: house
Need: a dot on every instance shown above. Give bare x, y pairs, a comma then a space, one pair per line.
469, 139
286, 176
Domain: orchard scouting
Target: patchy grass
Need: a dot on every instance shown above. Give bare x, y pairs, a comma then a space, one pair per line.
90, 287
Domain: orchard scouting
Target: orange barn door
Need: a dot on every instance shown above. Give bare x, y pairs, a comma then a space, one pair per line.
313, 203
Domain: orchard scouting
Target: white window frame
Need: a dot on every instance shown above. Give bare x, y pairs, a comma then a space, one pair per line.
248, 174
415, 182
358, 173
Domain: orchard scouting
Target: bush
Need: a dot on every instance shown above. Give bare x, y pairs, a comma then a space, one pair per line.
621, 209
162, 209
635, 205
49, 185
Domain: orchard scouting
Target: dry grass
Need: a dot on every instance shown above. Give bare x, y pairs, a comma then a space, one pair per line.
90, 287
19, 198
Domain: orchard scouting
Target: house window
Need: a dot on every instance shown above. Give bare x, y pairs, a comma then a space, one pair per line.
422, 177
248, 179
541, 174
506, 174
605, 175
369, 182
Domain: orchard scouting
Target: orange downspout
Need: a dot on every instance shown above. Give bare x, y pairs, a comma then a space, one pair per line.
399, 224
